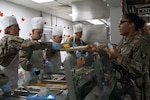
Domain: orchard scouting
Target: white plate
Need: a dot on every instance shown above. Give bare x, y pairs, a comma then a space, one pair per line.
74, 48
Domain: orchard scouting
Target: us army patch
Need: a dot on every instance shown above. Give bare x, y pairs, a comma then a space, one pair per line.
143, 55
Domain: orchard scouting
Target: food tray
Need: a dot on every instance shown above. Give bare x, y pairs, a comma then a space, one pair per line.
74, 48
57, 77
33, 90
51, 84
83, 70
53, 91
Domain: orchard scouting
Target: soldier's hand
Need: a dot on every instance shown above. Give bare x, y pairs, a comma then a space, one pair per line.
112, 53
91, 48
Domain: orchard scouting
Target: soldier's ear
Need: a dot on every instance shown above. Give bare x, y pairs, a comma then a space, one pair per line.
33, 31
7, 30
132, 24
30, 34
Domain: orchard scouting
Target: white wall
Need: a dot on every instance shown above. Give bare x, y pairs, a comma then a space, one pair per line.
115, 14
8, 8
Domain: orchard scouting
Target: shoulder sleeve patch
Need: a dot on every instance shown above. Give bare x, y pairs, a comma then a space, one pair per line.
143, 55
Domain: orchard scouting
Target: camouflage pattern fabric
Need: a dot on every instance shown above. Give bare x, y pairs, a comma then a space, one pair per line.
25, 55
105, 74
10, 45
134, 55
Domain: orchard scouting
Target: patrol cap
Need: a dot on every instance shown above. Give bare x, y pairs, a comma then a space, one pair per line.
57, 31
8, 21
77, 28
37, 23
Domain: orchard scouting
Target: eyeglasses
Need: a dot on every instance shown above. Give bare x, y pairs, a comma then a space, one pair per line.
121, 22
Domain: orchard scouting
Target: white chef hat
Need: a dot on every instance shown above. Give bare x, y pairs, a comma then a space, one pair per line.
8, 21
37, 23
57, 31
77, 28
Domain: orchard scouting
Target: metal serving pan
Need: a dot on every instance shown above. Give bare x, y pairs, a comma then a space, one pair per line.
51, 84
32, 90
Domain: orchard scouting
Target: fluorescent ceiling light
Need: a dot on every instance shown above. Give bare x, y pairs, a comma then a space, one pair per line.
42, 1
95, 21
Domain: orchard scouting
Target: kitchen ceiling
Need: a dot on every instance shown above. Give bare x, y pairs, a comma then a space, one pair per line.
60, 8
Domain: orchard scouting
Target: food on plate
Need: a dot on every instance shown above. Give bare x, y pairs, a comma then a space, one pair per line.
66, 45
52, 85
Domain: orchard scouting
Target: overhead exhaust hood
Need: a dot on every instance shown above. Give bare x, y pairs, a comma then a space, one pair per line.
89, 9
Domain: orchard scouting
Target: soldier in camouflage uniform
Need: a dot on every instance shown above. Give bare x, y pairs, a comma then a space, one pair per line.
10, 44
132, 58
132, 53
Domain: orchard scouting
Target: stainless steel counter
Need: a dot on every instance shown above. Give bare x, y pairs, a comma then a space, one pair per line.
10, 98
61, 96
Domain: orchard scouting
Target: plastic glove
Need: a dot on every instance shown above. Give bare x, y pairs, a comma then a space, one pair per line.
27, 78
43, 92
74, 45
78, 54
110, 46
56, 46
35, 71
48, 63
7, 87
86, 54
41, 74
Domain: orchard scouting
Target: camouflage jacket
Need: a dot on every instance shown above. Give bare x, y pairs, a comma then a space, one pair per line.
134, 56
25, 55
10, 45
